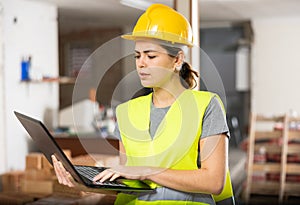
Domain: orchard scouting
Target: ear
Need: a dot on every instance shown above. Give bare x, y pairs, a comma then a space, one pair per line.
179, 59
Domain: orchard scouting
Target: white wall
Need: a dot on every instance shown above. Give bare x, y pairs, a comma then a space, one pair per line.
275, 75
34, 33
2, 139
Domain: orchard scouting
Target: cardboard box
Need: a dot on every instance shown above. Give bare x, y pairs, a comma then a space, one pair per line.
37, 187
11, 181
45, 163
37, 160
37, 175
68, 153
34, 160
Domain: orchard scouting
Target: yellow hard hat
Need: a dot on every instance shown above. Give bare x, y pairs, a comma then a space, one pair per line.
162, 22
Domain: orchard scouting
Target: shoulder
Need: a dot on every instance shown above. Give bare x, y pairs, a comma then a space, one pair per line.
214, 99
216, 102
204, 94
206, 97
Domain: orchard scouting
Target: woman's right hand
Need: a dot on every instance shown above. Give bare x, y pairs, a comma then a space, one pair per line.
63, 176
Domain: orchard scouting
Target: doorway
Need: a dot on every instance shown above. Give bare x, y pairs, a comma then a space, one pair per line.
222, 45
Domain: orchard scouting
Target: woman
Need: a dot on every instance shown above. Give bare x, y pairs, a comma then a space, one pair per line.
161, 133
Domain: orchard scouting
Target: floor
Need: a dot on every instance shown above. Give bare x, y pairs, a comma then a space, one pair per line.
270, 200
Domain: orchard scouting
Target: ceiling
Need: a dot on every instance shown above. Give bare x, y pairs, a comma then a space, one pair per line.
112, 12
233, 10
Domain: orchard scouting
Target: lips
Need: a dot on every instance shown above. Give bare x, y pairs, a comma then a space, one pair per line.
143, 75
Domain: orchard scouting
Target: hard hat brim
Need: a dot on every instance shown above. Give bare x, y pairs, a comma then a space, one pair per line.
143, 35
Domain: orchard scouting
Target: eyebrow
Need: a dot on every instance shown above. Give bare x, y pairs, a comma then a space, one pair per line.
147, 51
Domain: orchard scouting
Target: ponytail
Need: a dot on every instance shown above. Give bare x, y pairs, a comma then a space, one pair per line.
188, 76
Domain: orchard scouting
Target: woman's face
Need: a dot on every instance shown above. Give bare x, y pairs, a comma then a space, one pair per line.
154, 66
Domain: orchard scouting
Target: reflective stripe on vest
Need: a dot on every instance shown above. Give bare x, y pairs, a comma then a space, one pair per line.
176, 152
164, 198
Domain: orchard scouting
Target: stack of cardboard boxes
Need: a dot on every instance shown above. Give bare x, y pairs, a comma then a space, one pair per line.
34, 182
38, 176
37, 184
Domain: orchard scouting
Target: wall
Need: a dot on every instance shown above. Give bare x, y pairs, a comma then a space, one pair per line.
93, 41
2, 140
275, 65
29, 28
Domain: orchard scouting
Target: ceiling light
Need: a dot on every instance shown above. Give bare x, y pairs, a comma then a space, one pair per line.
138, 4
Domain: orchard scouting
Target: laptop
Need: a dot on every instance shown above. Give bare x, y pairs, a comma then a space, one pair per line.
82, 174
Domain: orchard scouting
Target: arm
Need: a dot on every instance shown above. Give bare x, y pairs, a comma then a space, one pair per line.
210, 178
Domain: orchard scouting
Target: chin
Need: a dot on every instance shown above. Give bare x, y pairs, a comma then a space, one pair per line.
147, 84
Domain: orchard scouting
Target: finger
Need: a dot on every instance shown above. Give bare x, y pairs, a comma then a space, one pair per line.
61, 173
67, 179
70, 180
115, 176
106, 177
53, 158
101, 174
64, 174
57, 169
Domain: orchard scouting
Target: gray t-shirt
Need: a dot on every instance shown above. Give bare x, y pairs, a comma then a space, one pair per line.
214, 121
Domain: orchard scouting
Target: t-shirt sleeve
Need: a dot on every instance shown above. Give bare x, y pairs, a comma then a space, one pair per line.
214, 120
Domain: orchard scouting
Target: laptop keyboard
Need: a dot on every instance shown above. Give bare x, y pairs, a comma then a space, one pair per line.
91, 172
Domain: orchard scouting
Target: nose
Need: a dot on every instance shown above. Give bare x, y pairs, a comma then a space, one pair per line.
140, 62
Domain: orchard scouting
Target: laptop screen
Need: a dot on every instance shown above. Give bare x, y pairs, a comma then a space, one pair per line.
45, 142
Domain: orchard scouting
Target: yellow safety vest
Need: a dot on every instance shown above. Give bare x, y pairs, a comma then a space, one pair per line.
175, 143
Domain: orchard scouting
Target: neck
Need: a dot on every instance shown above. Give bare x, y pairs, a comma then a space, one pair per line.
163, 97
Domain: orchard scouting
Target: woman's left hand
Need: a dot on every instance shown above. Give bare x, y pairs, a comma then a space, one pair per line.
128, 172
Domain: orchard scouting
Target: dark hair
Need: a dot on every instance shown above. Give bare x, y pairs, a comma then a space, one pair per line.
187, 74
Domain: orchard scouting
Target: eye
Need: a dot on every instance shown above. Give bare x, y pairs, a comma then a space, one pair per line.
151, 57
137, 56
